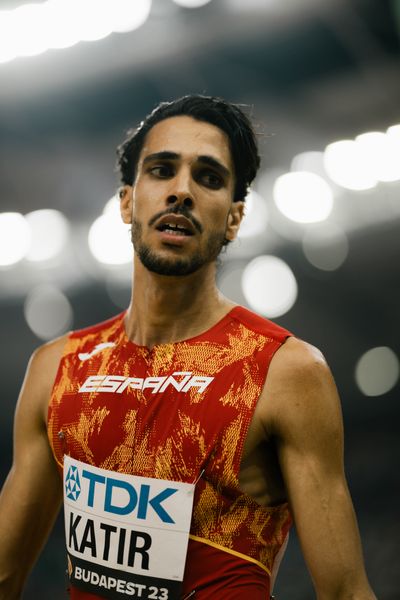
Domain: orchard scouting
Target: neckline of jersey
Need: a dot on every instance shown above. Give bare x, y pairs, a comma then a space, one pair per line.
231, 314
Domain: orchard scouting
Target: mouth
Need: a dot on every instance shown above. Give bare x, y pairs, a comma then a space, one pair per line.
172, 230
175, 225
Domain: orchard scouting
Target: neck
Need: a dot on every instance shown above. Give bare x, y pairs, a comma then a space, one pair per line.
167, 309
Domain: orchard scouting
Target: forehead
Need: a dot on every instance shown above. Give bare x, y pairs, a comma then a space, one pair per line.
189, 138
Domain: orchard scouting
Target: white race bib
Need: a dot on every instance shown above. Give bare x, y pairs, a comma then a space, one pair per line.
126, 535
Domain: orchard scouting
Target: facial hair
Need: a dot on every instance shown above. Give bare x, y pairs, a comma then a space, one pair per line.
178, 266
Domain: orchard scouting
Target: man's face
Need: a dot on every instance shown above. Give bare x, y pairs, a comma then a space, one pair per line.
181, 206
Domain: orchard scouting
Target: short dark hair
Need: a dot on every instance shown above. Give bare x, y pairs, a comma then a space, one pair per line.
228, 117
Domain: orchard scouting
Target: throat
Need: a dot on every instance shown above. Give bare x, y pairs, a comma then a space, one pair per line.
151, 327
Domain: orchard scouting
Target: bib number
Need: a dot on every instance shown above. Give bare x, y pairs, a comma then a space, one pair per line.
125, 535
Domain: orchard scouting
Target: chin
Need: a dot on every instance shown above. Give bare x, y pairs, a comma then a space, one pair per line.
173, 267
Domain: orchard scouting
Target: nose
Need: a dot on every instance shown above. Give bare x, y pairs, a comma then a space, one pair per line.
180, 191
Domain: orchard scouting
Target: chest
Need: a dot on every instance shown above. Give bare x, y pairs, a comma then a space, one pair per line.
172, 412
171, 415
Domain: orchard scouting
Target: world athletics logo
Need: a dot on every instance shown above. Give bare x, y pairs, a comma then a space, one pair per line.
72, 483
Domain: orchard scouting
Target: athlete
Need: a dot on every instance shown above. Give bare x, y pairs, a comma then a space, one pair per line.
186, 433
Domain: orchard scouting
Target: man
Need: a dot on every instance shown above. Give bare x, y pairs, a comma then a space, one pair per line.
184, 411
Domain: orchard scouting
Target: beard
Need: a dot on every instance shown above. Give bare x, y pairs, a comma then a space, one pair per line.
176, 266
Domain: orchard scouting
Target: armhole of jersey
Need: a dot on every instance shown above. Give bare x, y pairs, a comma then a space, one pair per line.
56, 378
279, 345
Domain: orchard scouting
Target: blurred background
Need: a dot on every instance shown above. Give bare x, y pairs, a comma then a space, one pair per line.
319, 250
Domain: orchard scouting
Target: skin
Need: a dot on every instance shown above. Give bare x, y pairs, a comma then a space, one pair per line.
294, 447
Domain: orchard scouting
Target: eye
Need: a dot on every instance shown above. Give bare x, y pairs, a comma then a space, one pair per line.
211, 179
161, 171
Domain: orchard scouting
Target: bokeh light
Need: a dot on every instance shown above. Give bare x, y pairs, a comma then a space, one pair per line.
303, 197
269, 286
381, 154
311, 161
377, 371
109, 238
48, 312
14, 238
49, 234
394, 130
191, 3
30, 29
326, 246
255, 218
345, 164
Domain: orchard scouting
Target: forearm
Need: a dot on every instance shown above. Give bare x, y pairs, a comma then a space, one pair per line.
10, 586
332, 546
363, 592
13, 568
25, 523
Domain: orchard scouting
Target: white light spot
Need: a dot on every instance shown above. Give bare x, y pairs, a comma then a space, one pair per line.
303, 197
191, 3
311, 161
381, 153
48, 312
127, 15
49, 234
112, 207
326, 246
255, 216
109, 239
377, 371
14, 238
269, 286
28, 20
33, 28
345, 164
394, 131
8, 48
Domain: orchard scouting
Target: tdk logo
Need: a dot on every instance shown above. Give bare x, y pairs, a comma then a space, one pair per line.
181, 381
72, 483
119, 497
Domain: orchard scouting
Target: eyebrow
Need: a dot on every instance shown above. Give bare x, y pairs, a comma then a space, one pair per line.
208, 160
163, 155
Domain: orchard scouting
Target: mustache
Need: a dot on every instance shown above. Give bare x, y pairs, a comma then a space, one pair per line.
178, 210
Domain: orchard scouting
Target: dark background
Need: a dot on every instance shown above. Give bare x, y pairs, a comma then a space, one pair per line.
314, 72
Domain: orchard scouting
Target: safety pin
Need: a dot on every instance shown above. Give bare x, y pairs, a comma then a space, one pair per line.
198, 479
61, 437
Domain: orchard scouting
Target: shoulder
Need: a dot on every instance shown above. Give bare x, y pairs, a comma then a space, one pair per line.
36, 389
43, 366
48, 354
296, 360
300, 391
259, 324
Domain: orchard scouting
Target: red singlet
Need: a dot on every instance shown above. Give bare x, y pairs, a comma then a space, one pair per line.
180, 412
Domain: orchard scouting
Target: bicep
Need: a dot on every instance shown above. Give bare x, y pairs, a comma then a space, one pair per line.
307, 427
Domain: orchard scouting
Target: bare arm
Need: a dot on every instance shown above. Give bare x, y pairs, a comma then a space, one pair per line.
303, 416
32, 493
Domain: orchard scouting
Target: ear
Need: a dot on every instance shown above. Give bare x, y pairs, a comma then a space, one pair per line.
125, 197
235, 217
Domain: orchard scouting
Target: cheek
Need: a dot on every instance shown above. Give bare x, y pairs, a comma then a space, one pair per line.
139, 203
218, 215
148, 196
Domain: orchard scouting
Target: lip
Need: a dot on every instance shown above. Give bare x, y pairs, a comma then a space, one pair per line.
173, 239
180, 221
